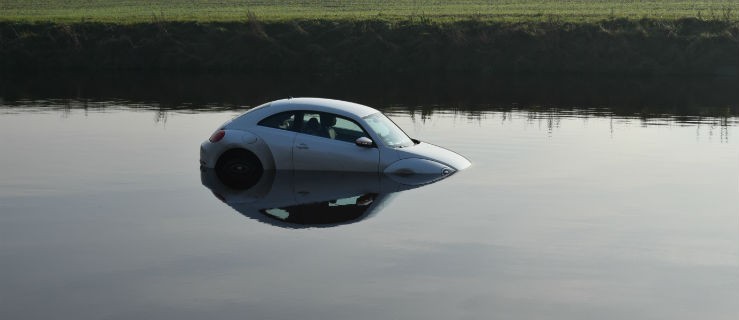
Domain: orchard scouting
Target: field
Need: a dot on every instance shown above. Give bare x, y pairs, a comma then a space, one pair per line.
136, 11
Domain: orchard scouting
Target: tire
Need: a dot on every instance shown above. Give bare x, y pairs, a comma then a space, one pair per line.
239, 169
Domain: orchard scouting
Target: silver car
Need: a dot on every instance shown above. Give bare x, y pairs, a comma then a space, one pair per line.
323, 135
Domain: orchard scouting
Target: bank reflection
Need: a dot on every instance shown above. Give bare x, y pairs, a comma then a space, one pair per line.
311, 199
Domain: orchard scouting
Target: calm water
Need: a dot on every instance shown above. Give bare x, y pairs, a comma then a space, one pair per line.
574, 213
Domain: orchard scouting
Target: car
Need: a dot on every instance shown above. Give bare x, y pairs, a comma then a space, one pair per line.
321, 135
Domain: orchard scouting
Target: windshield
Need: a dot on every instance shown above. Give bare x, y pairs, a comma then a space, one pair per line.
389, 133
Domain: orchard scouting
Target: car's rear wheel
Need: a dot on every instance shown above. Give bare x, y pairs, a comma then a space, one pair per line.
239, 169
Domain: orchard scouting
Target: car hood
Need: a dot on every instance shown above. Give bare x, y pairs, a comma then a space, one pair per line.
432, 152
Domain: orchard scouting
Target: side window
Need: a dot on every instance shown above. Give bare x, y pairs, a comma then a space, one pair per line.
312, 124
331, 126
282, 120
347, 130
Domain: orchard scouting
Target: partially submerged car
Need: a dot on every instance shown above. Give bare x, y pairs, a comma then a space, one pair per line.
321, 135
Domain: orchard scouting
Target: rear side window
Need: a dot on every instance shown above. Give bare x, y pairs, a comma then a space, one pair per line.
282, 120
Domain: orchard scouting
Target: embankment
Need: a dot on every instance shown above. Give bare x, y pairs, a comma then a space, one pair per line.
627, 47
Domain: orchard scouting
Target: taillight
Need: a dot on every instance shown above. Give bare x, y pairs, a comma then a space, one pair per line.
217, 136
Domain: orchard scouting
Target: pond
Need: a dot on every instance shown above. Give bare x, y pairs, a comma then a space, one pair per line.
572, 209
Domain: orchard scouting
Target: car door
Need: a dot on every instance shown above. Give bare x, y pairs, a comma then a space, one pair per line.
315, 149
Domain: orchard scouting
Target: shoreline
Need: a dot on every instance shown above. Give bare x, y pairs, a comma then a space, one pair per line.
610, 47
648, 97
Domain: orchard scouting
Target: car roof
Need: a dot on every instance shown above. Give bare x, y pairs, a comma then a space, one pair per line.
324, 105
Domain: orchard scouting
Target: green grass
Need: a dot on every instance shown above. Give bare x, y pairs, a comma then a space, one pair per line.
134, 11
636, 37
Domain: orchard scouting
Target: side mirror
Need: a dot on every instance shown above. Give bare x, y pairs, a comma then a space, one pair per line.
364, 142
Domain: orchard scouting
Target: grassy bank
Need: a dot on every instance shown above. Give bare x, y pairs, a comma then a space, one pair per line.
373, 36
142, 11
615, 46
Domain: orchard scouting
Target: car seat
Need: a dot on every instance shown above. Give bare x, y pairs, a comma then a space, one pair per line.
312, 127
327, 122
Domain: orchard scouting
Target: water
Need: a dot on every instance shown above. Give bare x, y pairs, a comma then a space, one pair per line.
566, 213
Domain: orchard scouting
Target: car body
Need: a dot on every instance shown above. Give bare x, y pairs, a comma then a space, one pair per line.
321, 134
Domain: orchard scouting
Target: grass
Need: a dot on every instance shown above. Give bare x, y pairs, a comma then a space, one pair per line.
634, 37
138, 11
619, 46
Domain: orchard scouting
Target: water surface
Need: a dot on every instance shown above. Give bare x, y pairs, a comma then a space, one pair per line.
566, 213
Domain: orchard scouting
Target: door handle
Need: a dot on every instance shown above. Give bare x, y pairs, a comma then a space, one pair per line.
302, 146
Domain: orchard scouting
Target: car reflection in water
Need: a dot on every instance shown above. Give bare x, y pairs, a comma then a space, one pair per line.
304, 199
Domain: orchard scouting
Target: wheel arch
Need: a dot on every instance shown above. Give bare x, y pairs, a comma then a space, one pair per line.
260, 151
